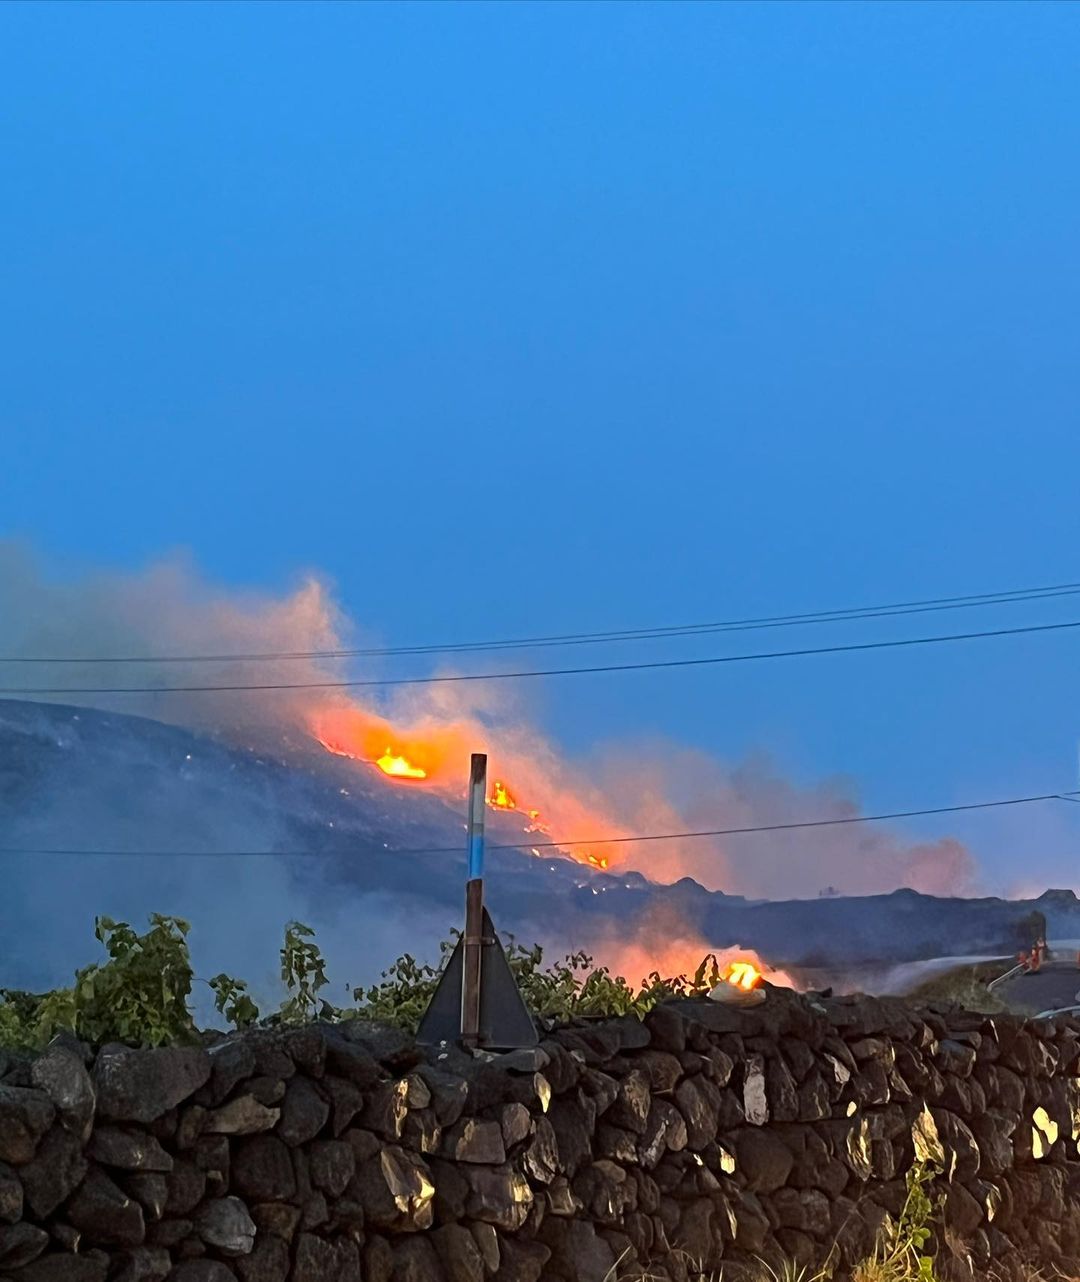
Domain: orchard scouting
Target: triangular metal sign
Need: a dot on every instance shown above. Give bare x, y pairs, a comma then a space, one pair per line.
505, 1023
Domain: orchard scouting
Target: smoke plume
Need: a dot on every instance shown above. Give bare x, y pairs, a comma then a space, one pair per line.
170, 609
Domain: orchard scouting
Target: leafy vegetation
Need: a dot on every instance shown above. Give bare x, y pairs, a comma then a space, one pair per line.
141, 993
231, 1000
902, 1254
303, 972
572, 988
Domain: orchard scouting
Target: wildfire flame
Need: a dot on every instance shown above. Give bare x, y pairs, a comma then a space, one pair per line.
502, 799
430, 753
744, 975
401, 767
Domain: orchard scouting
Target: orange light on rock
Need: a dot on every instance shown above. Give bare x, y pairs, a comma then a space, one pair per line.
401, 767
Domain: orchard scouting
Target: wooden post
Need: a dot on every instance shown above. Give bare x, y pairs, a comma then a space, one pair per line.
474, 905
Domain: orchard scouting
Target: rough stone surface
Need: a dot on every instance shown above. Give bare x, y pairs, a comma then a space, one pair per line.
25, 1116
262, 1170
11, 1196
141, 1086
129, 1150
202, 1271
56, 1171
242, 1116
224, 1223
62, 1075
338, 1154
105, 1214
21, 1243
145, 1264
303, 1114
268, 1262
64, 1268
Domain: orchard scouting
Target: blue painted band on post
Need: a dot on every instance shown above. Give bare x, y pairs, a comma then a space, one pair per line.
476, 856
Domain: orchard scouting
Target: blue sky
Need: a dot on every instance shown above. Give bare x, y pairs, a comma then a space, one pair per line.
529, 318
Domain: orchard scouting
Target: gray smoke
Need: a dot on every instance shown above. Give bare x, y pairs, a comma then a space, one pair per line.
239, 907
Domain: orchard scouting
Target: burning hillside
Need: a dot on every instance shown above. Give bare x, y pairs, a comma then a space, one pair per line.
340, 830
436, 755
417, 742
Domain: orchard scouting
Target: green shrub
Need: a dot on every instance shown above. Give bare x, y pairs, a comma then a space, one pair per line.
140, 995
901, 1253
303, 972
232, 1001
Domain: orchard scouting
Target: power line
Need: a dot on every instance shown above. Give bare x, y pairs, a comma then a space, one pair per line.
546, 672
847, 614
567, 844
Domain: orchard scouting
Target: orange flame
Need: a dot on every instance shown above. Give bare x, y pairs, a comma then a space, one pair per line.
502, 799
362, 736
433, 753
400, 766
744, 975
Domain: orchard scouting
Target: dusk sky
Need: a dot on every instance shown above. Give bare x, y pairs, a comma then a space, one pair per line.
526, 319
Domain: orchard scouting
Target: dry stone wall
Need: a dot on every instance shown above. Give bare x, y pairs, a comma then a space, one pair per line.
702, 1138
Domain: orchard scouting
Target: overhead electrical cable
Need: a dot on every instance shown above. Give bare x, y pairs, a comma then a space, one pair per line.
713, 660
567, 844
848, 614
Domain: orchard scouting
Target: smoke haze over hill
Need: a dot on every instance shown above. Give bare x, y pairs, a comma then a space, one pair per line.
169, 609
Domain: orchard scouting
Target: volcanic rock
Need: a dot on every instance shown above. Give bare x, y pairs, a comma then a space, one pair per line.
25, 1115
225, 1224
318, 1260
56, 1171
268, 1261
202, 1271
62, 1075
105, 1214
142, 1085
244, 1115
461, 1258
262, 1170
231, 1062
763, 1159
473, 1140
144, 1264
303, 1114
21, 1243
129, 1150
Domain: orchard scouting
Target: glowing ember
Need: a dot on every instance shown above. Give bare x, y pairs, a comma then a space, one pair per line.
501, 797
401, 767
744, 975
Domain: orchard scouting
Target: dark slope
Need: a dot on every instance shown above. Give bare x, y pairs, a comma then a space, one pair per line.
80, 778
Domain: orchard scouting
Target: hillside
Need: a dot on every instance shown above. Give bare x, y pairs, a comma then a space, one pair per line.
78, 779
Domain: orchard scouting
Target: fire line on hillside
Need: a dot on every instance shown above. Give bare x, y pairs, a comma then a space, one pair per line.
370, 740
